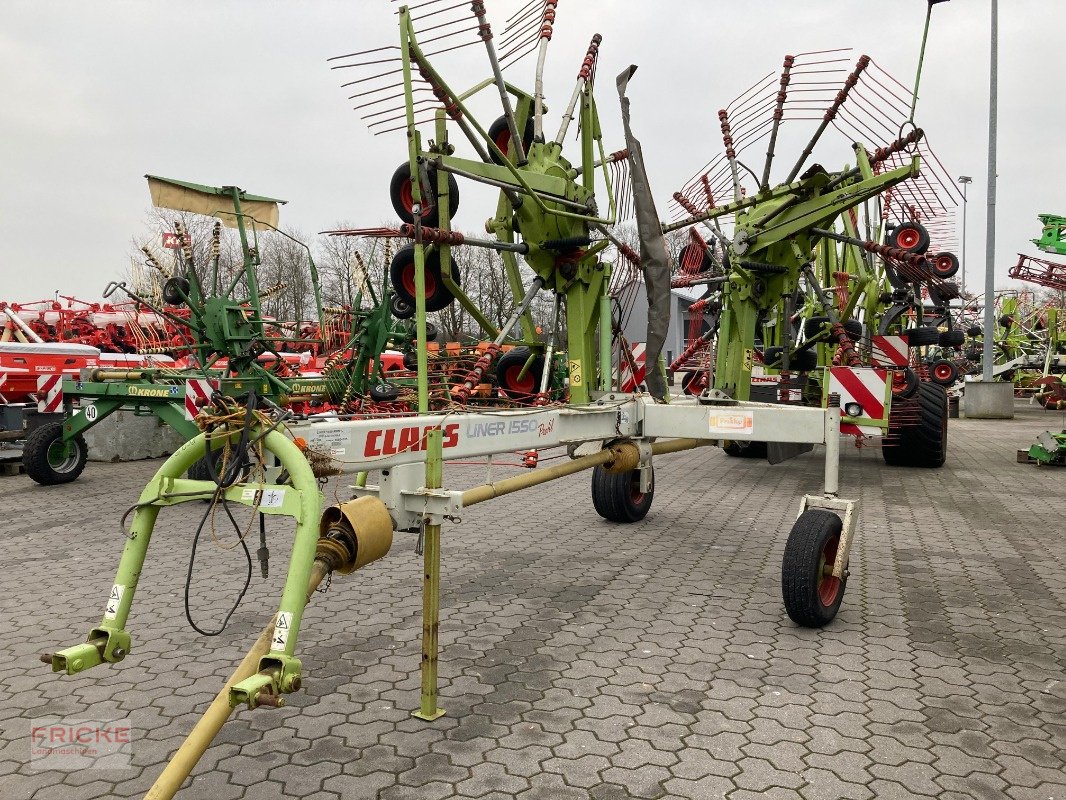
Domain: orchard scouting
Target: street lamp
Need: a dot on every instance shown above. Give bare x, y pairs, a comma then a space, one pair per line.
965, 180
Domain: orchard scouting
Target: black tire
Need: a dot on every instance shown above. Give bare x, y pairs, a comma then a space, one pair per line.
200, 471
811, 597
943, 293
803, 361
402, 201
176, 291
920, 337
952, 338
693, 258
943, 372
745, 449
944, 265
44, 458
384, 393
508, 367
500, 133
922, 442
402, 275
910, 237
813, 326
617, 496
431, 332
904, 383
691, 383
400, 308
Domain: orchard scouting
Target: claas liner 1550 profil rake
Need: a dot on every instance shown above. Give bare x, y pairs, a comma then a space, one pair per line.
558, 215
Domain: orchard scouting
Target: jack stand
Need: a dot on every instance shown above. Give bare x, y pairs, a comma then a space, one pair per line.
428, 709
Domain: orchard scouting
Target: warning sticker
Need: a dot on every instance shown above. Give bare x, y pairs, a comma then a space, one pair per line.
264, 498
281, 631
576, 377
113, 601
731, 423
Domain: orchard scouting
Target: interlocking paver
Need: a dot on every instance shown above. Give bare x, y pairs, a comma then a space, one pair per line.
584, 660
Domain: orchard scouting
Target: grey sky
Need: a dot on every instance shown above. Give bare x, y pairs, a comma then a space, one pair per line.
94, 95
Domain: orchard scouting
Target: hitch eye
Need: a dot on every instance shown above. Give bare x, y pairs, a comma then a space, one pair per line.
852, 409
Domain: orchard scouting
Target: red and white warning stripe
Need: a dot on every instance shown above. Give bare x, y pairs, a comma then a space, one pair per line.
197, 395
629, 381
890, 351
867, 386
50, 394
3, 380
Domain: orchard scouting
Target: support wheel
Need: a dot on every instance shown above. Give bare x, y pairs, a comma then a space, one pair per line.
811, 593
910, 237
500, 133
745, 449
49, 460
402, 196
402, 274
617, 496
923, 440
509, 368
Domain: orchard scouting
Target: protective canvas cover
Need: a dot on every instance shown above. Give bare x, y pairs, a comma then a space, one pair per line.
654, 257
178, 197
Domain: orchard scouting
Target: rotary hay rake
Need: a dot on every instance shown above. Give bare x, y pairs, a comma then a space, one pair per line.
792, 286
217, 346
547, 213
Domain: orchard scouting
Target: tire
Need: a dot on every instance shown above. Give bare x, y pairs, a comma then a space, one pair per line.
745, 449
400, 308
943, 372
943, 293
811, 597
44, 458
508, 368
200, 471
803, 361
176, 291
910, 237
904, 383
944, 265
813, 326
431, 332
923, 442
500, 133
920, 337
384, 393
693, 259
952, 338
402, 275
693, 383
974, 331
617, 496
403, 202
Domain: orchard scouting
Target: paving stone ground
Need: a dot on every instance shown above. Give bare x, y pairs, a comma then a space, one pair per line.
581, 659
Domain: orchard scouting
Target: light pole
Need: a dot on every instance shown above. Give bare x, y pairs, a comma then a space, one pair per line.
965, 180
990, 221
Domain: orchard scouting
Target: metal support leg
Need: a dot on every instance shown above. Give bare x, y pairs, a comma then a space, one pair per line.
832, 447
428, 709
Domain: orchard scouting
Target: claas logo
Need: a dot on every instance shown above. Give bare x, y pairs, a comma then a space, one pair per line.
390, 441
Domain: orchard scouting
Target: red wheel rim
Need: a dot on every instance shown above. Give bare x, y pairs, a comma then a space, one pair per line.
635, 494
515, 384
409, 281
828, 584
503, 140
907, 238
944, 264
407, 199
942, 372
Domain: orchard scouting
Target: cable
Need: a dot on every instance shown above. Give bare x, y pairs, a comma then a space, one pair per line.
192, 560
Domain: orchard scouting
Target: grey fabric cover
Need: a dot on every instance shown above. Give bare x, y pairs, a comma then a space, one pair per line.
654, 257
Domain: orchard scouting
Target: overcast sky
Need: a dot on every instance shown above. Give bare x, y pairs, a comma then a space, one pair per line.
95, 95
